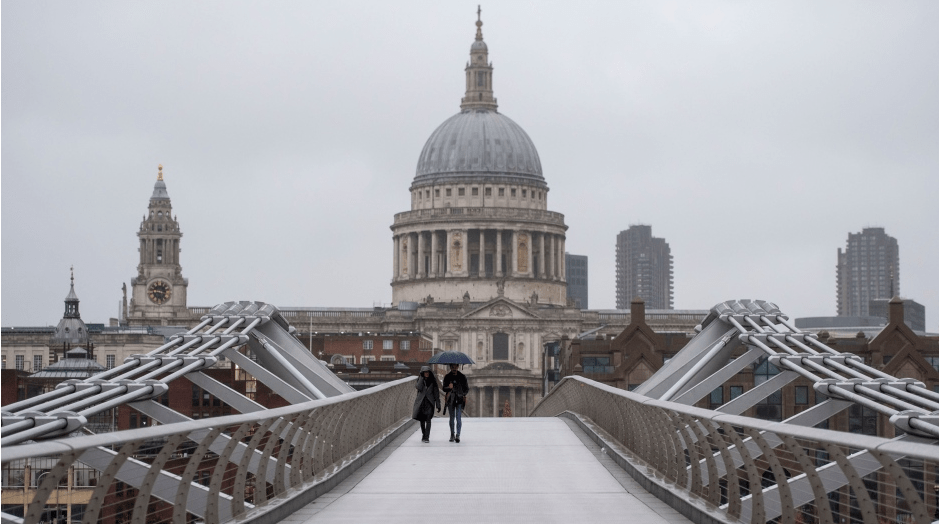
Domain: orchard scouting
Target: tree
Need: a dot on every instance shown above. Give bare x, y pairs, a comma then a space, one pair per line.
507, 409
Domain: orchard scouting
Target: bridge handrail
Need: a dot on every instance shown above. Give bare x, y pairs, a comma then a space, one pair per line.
660, 433
322, 436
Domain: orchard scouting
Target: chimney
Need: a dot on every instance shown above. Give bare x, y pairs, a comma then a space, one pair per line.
637, 311
895, 311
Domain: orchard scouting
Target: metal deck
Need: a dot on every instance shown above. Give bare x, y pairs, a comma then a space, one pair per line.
504, 470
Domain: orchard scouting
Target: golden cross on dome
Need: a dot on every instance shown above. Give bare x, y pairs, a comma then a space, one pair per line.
160, 173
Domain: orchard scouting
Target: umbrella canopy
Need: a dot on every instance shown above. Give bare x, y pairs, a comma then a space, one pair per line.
450, 357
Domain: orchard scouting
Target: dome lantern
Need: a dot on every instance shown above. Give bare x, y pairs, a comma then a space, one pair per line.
479, 74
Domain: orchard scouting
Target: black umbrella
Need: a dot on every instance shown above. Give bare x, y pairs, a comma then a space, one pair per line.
450, 357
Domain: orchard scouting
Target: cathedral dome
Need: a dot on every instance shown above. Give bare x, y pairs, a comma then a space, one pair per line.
479, 143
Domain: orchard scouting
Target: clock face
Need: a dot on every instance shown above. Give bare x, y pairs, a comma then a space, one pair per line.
159, 292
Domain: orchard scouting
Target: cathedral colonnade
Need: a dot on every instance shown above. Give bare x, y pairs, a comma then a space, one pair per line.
489, 400
478, 252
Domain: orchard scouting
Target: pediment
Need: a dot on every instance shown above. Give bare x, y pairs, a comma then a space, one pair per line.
502, 309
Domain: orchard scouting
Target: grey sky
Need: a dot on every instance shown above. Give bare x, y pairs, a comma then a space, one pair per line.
752, 136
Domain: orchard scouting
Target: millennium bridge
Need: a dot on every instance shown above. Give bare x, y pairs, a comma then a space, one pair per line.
588, 452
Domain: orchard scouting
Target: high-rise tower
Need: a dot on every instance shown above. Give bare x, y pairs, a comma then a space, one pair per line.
868, 269
159, 289
643, 269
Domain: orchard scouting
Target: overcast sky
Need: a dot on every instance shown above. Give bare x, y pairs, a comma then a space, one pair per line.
752, 136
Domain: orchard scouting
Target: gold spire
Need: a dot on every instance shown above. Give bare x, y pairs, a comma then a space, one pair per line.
72, 269
160, 172
479, 22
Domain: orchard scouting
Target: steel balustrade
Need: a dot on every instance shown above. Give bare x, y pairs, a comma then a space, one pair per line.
730, 463
220, 469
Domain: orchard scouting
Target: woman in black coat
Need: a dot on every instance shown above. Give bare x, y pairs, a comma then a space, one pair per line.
428, 397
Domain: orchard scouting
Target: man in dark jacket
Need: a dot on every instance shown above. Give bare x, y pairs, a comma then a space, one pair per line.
456, 387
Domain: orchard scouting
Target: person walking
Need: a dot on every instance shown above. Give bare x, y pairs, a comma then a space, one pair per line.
428, 397
456, 387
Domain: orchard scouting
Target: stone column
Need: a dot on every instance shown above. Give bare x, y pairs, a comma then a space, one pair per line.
434, 260
402, 256
448, 269
524, 400
482, 397
498, 261
466, 267
482, 252
513, 391
412, 255
513, 268
554, 249
543, 262
495, 401
563, 272
420, 255
396, 257
531, 252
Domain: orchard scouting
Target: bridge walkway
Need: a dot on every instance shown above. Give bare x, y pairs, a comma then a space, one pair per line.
504, 470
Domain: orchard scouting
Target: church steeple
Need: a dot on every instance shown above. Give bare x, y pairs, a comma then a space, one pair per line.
479, 74
71, 300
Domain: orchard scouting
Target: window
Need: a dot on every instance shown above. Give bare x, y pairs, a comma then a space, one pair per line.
524, 193
802, 395
475, 191
367, 344
109, 361
387, 344
419, 195
196, 395
513, 192
735, 391
862, 419
502, 191
37, 363
4, 361
405, 345
387, 358
717, 397
461, 191
596, 364
19, 362
449, 192
488, 191
770, 408
366, 359
427, 193
500, 346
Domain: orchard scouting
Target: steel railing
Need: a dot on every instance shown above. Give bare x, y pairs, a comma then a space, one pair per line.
728, 465
212, 470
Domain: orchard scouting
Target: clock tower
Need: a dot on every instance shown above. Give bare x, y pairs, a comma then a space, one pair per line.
159, 289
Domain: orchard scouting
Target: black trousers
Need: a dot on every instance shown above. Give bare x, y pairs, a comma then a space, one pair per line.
425, 429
